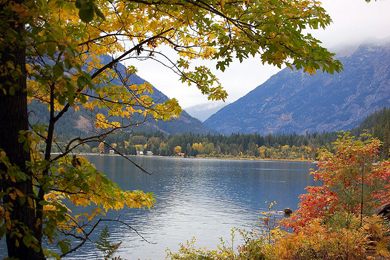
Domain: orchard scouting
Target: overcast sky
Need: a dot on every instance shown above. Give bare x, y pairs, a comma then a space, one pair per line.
354, 21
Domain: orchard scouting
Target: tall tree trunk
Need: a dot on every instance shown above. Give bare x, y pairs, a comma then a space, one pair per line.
13, 118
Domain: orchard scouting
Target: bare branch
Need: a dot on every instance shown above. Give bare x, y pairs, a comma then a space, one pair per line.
87, 234
130, 227
127, 158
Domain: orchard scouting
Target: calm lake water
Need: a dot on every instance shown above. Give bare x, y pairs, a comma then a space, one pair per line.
202, 198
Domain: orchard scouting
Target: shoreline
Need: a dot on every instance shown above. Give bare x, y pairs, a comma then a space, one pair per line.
203, 157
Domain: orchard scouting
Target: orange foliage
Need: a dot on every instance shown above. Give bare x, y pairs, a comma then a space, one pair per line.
352, 181
317, 240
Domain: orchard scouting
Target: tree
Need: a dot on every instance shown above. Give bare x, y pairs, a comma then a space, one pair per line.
105, 246
353, 182
52, 52
101, 147
177, 149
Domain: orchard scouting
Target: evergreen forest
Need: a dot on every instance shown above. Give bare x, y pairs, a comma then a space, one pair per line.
251, 146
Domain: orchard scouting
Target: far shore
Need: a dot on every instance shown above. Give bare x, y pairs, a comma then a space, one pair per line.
203, 157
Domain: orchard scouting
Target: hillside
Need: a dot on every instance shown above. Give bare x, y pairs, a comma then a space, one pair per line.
79, 123
292, 101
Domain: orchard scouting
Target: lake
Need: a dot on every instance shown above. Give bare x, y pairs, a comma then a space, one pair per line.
202, 198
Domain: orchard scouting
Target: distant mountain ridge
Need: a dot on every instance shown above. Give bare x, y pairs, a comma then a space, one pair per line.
292, 101
205, 110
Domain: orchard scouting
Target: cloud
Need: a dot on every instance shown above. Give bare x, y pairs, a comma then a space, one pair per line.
354, 21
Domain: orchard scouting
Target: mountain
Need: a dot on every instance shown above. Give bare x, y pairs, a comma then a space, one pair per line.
80, 123
293, 101
205, 110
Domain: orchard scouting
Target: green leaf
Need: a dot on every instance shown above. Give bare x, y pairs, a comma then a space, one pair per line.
61, 100
70, 88
81, 82
46, 187
21, 175
105, 180
68, 65
85, 187
70, 99
82, 4
86, 15
79, 4
27, 240
86, 75
64, 247
43, 202
61, 47
22, 200
98, 12
70, 51
22, 136
11, 91
70, 93
51, 48
58, 70
82, 98
37, 249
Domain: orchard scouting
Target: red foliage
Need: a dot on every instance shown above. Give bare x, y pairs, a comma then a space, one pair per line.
352, 181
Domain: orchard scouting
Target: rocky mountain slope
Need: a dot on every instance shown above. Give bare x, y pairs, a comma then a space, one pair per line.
292, 101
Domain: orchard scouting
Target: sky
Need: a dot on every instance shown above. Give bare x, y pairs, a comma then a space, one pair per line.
354, 22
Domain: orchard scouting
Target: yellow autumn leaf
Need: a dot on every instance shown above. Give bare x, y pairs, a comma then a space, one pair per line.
382, 248
19, 193
12, 196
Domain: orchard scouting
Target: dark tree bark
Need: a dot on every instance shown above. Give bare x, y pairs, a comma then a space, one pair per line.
13, 118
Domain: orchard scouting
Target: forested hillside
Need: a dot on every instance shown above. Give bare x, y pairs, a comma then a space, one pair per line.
280, 146
378, 125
